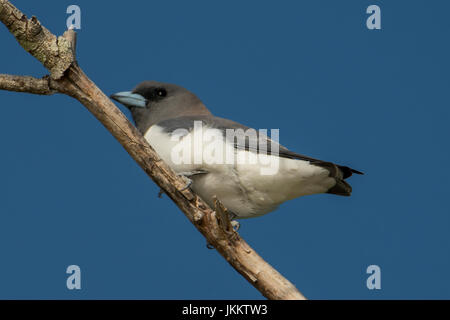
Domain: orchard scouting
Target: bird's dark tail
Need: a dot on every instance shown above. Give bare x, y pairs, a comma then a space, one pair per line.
342, 188
339, 173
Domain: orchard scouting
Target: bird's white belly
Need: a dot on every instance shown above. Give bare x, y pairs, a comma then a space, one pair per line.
246, 189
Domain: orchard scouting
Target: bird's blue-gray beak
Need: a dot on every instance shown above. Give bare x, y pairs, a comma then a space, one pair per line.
130, 99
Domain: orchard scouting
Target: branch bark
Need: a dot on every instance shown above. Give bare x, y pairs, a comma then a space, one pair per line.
26, 84
57, 54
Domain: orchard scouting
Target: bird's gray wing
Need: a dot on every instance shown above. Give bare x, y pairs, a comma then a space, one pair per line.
252, 140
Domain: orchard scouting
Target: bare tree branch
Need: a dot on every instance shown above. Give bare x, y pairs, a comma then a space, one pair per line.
26, 84
57, 54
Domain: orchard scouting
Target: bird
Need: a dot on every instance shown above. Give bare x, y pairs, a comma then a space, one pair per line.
174, 121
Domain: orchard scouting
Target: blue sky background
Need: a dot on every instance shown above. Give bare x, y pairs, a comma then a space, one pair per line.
374, 100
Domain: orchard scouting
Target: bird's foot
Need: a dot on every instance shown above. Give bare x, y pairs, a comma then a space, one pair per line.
234, 223
187, 177
188, 183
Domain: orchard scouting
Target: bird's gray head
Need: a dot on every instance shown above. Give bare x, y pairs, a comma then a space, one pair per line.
151, 102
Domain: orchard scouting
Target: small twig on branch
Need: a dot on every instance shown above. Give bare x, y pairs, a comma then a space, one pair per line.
57, 54
26, 84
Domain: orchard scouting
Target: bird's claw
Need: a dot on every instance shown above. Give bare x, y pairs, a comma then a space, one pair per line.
235, 224
186, 176
188, 183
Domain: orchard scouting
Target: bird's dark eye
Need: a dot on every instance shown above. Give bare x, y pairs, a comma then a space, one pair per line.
161, 92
